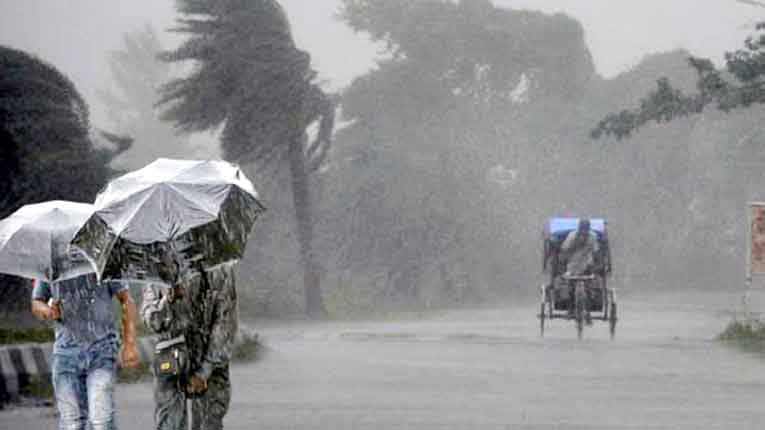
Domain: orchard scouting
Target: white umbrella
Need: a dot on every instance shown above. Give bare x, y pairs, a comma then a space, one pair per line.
209, 205
34, 241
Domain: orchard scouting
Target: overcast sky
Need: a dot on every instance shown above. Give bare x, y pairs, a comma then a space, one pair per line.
76, 35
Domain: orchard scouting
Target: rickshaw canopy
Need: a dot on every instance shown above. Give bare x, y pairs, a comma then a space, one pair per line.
559, 225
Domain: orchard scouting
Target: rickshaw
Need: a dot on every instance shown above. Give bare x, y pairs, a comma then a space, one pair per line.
578, 298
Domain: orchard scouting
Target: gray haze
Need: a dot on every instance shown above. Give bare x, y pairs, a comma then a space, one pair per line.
426, 216
76, 35
603, 58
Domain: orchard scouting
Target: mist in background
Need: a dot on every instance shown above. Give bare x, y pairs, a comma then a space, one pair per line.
76, 36
447, 160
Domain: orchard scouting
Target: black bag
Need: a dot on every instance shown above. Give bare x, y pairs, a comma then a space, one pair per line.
170, 358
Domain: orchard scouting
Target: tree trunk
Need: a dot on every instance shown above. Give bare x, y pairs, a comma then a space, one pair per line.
314, 303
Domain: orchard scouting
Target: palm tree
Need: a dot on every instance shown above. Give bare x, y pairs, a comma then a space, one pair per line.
251, 78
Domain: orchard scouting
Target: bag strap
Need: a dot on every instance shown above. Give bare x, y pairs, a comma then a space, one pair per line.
170, 342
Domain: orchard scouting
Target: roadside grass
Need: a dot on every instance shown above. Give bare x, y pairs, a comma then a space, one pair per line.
747, 335
38, 388
12, 336
248, 349
132, 376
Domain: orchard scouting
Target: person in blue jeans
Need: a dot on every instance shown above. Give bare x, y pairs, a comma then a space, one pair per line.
87, 347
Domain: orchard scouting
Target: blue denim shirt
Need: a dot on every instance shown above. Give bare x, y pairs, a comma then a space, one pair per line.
87, 313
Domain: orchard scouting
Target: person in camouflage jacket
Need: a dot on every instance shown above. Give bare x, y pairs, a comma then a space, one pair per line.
199, 307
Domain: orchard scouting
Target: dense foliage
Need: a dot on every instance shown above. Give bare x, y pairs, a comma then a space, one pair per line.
46, 147
47, 151
420, 200
440, 183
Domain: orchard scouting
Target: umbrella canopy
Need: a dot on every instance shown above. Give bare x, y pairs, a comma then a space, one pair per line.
208, 205
34, 241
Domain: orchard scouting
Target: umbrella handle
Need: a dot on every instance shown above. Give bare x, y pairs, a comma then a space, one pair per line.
56, 298
55, 292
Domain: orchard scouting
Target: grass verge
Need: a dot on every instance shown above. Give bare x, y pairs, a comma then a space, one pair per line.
11, 336
247, 349
747, 335
131, 376
38, 388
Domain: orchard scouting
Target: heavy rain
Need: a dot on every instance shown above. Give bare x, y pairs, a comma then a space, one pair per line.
382, 214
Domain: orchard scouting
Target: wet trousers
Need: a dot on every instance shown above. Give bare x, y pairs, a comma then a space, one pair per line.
207, 409
84, 389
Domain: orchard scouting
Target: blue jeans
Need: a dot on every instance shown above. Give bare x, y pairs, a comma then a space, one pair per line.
83, 381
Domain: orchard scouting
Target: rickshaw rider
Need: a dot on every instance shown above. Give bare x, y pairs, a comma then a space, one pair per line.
579, 251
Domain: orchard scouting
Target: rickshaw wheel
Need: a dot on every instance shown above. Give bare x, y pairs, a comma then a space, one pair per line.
580, 300
612, 320
542, 320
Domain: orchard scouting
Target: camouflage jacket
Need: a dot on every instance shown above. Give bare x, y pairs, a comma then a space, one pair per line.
206, 314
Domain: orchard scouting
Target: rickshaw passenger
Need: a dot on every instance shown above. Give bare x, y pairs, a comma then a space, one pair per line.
579, 249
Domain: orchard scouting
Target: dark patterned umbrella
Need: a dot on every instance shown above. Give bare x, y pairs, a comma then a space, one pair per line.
204, 208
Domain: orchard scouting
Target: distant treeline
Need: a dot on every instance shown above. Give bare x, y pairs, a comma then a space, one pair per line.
454, 150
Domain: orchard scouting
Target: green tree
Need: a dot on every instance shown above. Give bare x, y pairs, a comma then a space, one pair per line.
46, 147
741, 84
444, 50
446, 105
250, 78
722, 169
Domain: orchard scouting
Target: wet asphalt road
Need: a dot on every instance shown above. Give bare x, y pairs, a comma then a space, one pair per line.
488, 369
